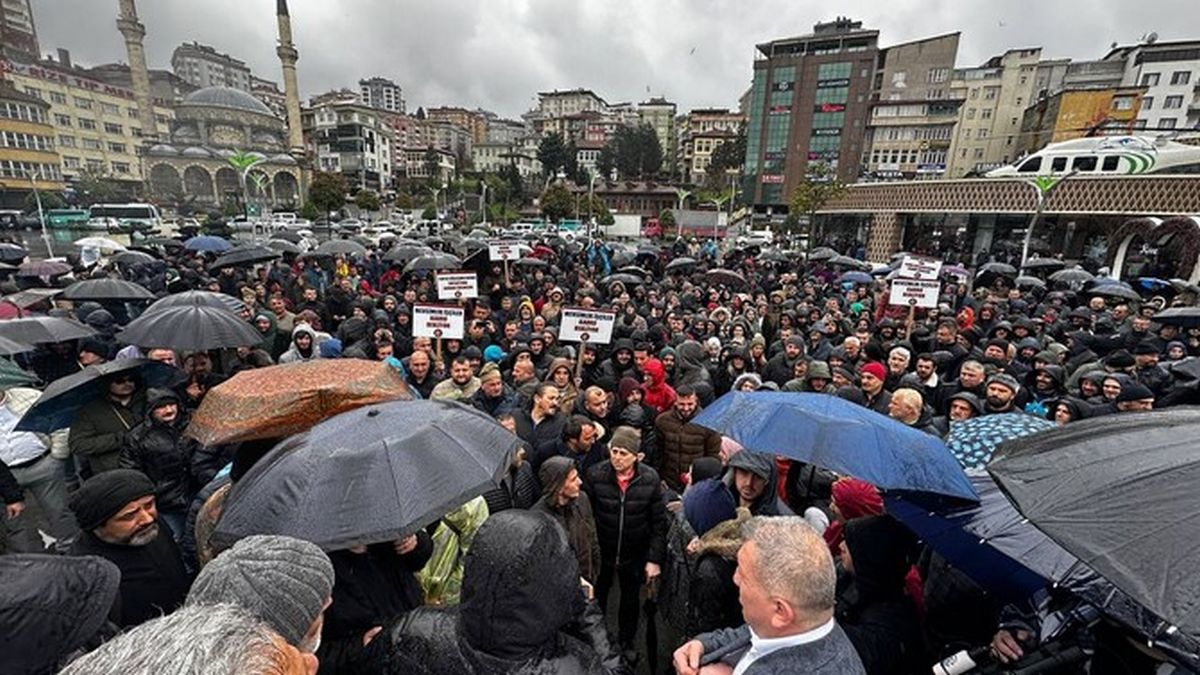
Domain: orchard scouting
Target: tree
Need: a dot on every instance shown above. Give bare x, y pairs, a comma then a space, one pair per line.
666, 220
430, 213
571, 164
552, 153
635, 152
728, 156
328, 191
606, 162
433, 167
50, 200
404, 200
516, 185
367, 200
819, 187
96, 187
600, 212
557, 202
309, 211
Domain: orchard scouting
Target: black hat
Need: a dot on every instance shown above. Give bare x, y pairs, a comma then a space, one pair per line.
1134, 391
103, 495
1145, 347
1120, 359
94, 346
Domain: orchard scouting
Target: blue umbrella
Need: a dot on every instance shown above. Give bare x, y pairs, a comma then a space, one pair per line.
856, 277
1154, 285
973, 441
990, 541
836, 434
207, 243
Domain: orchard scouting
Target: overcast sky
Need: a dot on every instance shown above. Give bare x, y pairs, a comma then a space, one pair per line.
497, 54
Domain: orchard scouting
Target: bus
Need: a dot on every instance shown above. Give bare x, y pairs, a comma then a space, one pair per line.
1106, 156
128, 217
67, 219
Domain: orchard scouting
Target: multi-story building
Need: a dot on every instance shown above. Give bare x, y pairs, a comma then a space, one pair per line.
203, 66
95, 124
912, 117
453, 139
659, 114
1075, 113
382, 94
18, 33
555, 106
700, 133
506, 131
28, 158
808, 103
1170, 73
995, 96
417, 164
474, 121
269, 93
332, 96
587, 154
350, 138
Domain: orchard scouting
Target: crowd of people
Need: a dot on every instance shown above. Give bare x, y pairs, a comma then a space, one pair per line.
722, 559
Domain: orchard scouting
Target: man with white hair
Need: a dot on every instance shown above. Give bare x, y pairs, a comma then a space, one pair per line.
208, 640
786, 584
908, 407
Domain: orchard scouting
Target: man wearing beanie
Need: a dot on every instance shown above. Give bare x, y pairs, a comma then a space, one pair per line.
494, 396
1001, 394
872, 377
285, 582
631, 524
119, 522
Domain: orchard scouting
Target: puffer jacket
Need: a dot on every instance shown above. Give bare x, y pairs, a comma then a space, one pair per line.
164, 454
522, 612
631, 525
679, 444
51, 606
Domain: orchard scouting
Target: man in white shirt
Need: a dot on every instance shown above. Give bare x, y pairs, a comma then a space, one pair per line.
786, 583
39, 473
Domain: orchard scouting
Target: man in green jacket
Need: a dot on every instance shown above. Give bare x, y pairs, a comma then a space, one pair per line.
98, 433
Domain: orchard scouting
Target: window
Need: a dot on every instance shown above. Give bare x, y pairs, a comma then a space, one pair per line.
85, 123
66, 141
1110, 163
1147, 102
985, 114
91, 144
1166, 123
974, 94
1058, 164
982, 133
1150, 80
70, 162
937, 75
978, 153
991, 92
1084, 163
62, 120
85, 104
34, 91
95, 165
1031, 165
131, 113
1122, 103
1181, 77
120, 167
1139, 124
118, 148
110, 109
56, 97
1172, 102
110, 128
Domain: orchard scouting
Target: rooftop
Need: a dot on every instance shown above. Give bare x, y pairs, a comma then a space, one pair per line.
227, 97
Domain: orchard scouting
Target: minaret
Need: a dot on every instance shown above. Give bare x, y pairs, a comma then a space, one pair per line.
291, 90
134, 32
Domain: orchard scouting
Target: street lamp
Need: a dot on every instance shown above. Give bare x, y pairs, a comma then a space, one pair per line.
483, 201
1045, 186
37, 197
591, 193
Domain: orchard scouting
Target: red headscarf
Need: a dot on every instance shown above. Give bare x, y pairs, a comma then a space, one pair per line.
854, 498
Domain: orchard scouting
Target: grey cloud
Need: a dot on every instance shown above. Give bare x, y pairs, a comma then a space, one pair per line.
498, 54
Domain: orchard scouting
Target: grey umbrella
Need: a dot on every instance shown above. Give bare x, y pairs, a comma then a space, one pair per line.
198, 298
106, 289
197, 327
44, 329
9, 347
433, 261
342, 247
243, 256
369, 475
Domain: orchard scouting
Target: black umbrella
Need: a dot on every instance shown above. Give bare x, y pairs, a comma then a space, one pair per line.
622, 258
1117, 291
1184, 317
1043, 264
44, 329
725, 277
32, 296
1073, 278
406, 253
287, 236
284, 246
11, 253
623, 278
133, 258
1119, 493
106, 289
773, 255
243, 256
996, 269
197, 327
1027, 282
680, 264
370, 475
341, 247
821, 254
43, 268
10, 347
530, 261
433, 261
197, 299
634, 269
62, 400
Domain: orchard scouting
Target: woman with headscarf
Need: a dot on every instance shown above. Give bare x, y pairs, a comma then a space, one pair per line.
852, 498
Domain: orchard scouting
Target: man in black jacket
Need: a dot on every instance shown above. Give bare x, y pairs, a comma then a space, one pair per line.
631, 523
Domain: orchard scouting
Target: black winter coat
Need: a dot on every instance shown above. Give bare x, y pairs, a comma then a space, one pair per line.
166, 456
153, 579
631, 525
522, 612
